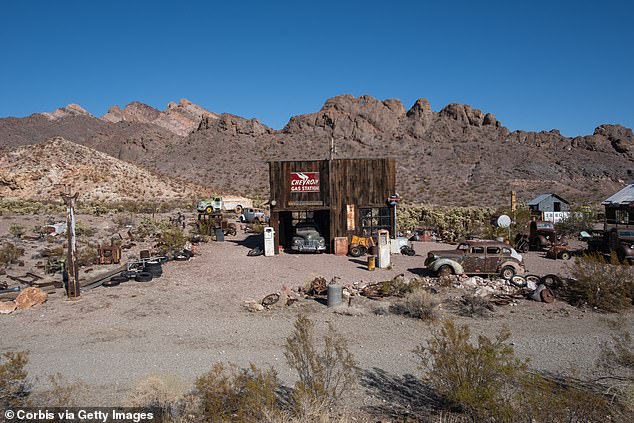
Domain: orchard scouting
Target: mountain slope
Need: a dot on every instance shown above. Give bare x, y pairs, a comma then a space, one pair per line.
31, 172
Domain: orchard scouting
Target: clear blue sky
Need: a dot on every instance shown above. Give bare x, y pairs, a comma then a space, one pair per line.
536, 65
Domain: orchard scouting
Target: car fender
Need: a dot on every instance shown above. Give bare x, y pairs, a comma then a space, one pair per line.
457, 267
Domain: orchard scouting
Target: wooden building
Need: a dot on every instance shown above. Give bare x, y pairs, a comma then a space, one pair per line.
619, 208
550, 207
343, 197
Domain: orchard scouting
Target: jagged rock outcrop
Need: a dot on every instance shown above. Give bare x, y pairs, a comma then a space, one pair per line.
133, 112
233, 125
66, 111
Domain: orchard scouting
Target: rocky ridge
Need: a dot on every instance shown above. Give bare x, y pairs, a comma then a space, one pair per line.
459, 155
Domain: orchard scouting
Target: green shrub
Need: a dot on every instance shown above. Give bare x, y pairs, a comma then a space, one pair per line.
606, 286
14, 385
16, 230
9, 254
323, 376
473, 377
230, 394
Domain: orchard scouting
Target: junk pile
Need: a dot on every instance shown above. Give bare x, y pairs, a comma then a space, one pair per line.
497, 291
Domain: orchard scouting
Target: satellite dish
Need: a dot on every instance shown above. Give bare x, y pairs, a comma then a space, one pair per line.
502, 221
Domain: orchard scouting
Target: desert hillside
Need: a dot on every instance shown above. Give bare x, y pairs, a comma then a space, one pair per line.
458, 155
32, 172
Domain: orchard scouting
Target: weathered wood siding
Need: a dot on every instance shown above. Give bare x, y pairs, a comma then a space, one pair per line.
280, 180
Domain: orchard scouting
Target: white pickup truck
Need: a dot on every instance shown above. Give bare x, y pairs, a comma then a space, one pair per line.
250, 215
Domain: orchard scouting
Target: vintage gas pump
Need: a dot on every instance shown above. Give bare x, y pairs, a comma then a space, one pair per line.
269, 241
383, 249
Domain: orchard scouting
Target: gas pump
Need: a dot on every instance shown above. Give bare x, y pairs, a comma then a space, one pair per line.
269, 241
383, 249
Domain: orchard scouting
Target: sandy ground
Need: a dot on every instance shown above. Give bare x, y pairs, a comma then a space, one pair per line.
178, 325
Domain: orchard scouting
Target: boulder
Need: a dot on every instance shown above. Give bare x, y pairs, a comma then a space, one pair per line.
30, 297
7, 307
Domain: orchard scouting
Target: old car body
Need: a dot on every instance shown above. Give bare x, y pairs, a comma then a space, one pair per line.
619, 240
250, 214
542, 235
307, 238
477, 257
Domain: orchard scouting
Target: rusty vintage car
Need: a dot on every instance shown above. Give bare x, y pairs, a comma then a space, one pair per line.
477, 257
618, 240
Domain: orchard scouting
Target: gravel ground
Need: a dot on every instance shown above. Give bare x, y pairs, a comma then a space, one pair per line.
178, 325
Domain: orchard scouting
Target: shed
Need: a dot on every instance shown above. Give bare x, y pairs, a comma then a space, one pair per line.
343, 197
550, 207
619, 208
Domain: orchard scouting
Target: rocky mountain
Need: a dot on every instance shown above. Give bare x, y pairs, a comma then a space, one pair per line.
31, 172
459, 155
180, 118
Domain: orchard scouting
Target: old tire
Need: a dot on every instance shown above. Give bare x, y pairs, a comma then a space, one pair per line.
445, 270
208, 210
181, 257
120, 278
551, 281
518, 281
143, 277
565, 255
238, 209
154, 267
355, 251
110, 283
507, 273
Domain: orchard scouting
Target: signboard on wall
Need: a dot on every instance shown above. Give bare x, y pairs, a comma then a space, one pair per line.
304, 181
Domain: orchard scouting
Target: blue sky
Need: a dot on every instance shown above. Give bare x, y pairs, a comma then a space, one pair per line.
535, 65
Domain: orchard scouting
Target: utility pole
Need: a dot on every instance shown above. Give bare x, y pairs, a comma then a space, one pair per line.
71, 257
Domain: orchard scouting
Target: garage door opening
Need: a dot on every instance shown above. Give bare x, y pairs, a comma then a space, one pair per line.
289, 221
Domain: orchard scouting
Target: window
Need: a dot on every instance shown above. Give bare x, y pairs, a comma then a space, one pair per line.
372, 220
302, 217
493, 250
477, 250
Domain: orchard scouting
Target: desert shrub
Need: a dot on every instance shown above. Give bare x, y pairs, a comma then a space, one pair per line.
578, 220
14, 385
473, 377
84, 230
229, 394
422, 304
606, 286
9, 254
323, 376
471, 305
61, 392
16, 230
617, 360
22, 207
171, 239
257, 228
162, 393
87, 255
488, 383
123, 220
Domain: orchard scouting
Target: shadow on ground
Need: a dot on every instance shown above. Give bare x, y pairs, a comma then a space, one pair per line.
249, 242
399, 396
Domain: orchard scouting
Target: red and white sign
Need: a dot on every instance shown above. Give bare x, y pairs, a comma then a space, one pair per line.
304, 181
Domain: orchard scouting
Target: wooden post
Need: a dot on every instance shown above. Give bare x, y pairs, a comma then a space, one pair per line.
71, 258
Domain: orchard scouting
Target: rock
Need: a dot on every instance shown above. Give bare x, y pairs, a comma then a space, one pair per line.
30, 297
7, 307
253, 306
484, 291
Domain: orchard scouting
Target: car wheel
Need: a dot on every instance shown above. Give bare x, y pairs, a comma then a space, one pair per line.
445, 270
356, 251
565, 255
208, 210
551, 281
507, 273
238, 209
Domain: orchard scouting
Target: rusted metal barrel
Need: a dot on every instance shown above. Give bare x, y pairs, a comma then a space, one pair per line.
335, 293
371, 262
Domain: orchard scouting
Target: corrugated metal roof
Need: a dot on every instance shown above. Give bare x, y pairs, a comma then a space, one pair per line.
623, 197
535, 201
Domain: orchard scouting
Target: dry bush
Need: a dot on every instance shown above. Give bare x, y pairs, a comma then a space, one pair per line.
471, 305
422, 304
61, 393
87, 255
617, 360
488, 383
231, 394
475, 378
606, 286
162, 393
14, 385
9, 254
17, 230
323, 376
